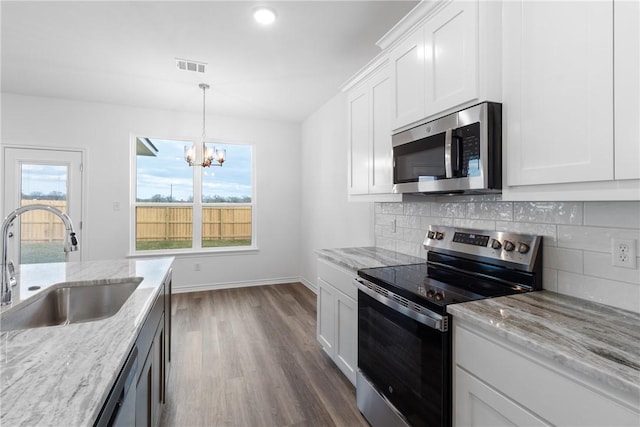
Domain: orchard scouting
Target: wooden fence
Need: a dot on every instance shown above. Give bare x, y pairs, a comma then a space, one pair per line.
155, 223
42, 226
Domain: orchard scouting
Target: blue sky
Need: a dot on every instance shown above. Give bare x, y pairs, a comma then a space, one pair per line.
168, 172
44, 179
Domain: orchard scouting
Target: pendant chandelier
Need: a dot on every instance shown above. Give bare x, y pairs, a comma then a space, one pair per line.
201, 154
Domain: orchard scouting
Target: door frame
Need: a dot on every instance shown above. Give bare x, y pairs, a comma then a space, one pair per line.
78, 225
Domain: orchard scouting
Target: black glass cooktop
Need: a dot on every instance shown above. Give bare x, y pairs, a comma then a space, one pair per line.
414, 283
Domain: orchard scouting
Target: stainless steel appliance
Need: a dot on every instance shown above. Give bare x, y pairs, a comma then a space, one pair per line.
404, 343
458, 153
120, 407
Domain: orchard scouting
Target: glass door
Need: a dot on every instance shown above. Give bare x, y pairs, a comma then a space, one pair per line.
47, 177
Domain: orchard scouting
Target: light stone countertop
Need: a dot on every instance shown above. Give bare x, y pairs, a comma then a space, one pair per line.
61, 375
366, 257
599, 341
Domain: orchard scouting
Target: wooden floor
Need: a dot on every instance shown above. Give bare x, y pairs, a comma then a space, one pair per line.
249, 357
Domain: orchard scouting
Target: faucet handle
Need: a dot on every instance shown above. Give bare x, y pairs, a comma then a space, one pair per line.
11, 270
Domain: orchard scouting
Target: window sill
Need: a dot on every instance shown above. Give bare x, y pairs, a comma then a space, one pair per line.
188, 253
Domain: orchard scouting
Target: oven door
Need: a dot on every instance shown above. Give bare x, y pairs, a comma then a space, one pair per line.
406, 362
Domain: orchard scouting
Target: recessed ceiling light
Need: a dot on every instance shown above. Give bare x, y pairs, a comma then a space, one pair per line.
264, 15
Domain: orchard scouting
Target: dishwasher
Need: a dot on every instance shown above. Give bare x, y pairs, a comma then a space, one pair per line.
120, 408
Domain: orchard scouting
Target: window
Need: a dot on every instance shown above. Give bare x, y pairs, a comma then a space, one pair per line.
178, 207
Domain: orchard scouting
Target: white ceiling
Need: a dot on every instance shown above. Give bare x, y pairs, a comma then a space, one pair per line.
124, 52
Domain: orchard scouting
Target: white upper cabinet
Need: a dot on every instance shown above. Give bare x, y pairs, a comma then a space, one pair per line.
558, 91
571, 100
369, 143
627, 88
451, 57
447, 60
408, 75
358, 141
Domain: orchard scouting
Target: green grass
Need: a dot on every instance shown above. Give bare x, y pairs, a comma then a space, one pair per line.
40, 252
182, 244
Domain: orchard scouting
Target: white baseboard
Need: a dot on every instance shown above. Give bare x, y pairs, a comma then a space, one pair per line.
312, 287
231, 285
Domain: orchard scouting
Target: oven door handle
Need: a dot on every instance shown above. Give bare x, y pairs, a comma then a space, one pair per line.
416, 312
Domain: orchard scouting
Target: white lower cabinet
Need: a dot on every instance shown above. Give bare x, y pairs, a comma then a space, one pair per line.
337, 323
497, 383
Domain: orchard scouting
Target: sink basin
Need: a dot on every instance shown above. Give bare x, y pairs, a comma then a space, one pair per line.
70, 302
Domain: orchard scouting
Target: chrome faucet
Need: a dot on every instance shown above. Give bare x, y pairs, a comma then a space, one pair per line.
8, 275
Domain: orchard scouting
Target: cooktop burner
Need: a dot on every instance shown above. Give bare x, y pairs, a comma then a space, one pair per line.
413, 283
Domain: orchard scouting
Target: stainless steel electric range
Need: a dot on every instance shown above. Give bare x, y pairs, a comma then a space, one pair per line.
404, 343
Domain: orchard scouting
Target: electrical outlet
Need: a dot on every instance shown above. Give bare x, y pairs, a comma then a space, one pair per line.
196, 266
623, 253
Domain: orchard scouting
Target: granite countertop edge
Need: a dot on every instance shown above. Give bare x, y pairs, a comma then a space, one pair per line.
554, 336
62, 375
355, 258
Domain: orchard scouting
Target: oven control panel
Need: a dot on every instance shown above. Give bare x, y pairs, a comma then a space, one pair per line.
503, 246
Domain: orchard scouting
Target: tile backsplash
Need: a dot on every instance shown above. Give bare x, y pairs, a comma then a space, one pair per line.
577, 237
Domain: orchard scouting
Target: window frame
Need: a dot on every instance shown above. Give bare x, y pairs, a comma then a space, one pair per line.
197, 205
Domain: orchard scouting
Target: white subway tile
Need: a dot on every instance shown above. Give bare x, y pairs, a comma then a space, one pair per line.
610, 292
612, 214
414, 236
384, 219
599, 265
409, 248
548, 231
550, 279
417, 208
563, 259
502, 211
548, 212
595, 239
392, 208
408, 221
448, 210
385, 243
377, 207
425, 222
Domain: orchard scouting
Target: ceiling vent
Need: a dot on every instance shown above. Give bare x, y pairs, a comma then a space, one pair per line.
188, 65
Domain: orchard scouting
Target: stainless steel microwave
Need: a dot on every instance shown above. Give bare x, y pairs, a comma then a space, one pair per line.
457, 153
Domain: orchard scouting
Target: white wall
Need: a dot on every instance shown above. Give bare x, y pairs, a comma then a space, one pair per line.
328, 219
104, 131
576, 243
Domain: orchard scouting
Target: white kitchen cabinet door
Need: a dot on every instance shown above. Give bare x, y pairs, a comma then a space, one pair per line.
477, 404
346, 348
381, 178
408, 76
451, 56
627, 88
326, 317
558, 91
359, 142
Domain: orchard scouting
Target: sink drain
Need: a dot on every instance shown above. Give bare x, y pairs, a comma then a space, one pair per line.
33, 288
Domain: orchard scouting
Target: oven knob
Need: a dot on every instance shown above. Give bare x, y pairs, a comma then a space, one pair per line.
495, 244
430, 293
439, 235
431, 234
439, 296
508, 246
523, 248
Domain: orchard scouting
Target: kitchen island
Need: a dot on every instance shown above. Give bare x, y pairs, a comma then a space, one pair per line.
62, 375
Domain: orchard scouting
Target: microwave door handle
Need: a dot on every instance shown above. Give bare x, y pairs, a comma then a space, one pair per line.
448, 143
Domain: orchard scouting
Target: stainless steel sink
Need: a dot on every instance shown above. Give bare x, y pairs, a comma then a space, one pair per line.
70, 302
